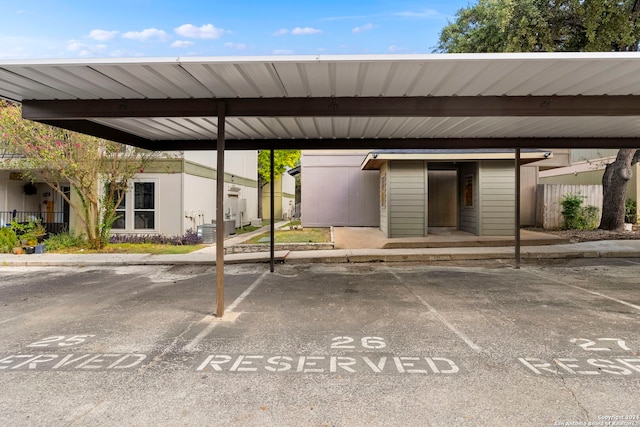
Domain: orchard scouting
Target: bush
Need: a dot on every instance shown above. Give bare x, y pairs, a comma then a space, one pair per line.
576, 216
189, 238
630, 211
8, 240
64, 240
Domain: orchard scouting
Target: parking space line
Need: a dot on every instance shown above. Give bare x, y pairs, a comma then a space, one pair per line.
553, 279
10, 319
439, 316
214, 322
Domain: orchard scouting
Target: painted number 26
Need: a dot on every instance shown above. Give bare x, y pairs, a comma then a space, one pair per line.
348, 343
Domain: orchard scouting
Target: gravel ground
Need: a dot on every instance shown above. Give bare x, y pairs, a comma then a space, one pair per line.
576, 236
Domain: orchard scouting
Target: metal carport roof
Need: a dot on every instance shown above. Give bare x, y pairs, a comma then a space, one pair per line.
542, 100
380, 101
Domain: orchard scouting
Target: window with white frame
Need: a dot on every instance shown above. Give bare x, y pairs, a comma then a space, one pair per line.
144, 212
120, 222
137, 211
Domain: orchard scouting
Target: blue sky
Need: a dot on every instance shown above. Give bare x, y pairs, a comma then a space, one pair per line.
168, 28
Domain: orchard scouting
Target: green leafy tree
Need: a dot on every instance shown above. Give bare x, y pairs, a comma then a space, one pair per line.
98, 171
561, 26
282, 160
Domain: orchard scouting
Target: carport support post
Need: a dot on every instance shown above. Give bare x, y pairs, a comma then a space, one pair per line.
517, 234
220, 212
272, 211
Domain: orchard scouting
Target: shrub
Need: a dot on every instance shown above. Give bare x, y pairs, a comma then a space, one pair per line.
8, 240
64, 240
189, 238
576, 216
630, 211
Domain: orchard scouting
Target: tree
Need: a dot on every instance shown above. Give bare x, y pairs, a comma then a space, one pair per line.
282, 160
561, 26
98, 171
616, 179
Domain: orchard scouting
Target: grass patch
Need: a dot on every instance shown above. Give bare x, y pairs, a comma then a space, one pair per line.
133, 248
307, 235
250, 228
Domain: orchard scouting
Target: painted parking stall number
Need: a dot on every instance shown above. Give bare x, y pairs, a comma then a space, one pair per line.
347, 355
58, 341
600, 344
53, 360
602, 362
347, 343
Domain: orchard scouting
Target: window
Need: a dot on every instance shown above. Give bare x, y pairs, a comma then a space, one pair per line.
137, 211
121, 212
144, 205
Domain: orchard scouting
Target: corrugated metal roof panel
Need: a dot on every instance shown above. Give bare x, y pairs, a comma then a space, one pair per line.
343, 76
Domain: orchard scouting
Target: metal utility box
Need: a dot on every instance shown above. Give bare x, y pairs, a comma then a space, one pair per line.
207, 232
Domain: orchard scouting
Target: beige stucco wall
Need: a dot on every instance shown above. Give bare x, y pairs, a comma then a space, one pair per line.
335, 191
284, 197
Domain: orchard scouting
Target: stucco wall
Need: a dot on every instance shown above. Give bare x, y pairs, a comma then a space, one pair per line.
285, 197
336, 192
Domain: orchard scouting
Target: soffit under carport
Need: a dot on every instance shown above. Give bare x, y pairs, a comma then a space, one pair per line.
339, 101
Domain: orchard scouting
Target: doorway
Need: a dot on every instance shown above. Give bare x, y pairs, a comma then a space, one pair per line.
442, 196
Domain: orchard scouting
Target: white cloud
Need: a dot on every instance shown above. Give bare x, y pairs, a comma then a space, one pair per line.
427, 13
181, 43
298, 31
102, 35
398, 49
236, 46
83, 49
365, 27
281, 32
282, 52
207, 31
146, 35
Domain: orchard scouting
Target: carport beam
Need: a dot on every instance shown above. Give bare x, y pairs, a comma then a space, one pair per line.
220, 212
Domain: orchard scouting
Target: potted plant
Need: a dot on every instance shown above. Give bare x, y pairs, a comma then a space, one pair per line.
29, 233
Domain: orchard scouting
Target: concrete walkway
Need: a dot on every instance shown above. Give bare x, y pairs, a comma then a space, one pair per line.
532, 248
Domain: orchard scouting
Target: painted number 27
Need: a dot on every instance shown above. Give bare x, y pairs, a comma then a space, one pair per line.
61, 341
590, 345
348, 343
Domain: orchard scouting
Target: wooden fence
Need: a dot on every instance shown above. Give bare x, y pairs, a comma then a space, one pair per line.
549, 198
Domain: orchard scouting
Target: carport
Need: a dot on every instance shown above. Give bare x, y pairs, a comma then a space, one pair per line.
470, 101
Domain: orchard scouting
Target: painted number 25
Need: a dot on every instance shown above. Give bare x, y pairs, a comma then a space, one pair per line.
589, 345
61, 341
348, 343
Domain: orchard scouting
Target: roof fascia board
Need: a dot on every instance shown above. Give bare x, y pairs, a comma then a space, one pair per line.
469, 106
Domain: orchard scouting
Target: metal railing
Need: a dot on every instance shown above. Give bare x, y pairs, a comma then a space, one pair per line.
53, 222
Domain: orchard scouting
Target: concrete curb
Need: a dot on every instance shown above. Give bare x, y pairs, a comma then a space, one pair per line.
600, 249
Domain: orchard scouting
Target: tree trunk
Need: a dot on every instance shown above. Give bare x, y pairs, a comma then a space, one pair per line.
614, 189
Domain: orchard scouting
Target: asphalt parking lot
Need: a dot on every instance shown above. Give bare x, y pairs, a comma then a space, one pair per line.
474, 344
